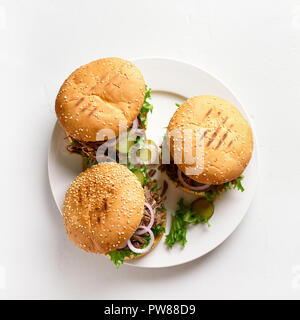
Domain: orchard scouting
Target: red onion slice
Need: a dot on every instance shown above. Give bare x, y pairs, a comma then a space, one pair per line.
149, 246
135, 124
149, 226
152, 215
200, 188
143, 231
134, 128
140, 133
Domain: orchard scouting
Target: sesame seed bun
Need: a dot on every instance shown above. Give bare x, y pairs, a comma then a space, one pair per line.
98, 96
228, 141
103, 207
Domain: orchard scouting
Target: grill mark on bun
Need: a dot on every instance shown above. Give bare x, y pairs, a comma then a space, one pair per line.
222, 139
208, 113
225, 120
220, 142
203, 136
210, 141
92, 112
79, 102
230, 143
213, 137
224, 136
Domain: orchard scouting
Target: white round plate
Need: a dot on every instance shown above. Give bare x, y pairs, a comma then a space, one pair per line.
171, 82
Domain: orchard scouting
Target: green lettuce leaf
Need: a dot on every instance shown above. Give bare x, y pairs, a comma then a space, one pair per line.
147, 106
118, 256
235, 184
184, 216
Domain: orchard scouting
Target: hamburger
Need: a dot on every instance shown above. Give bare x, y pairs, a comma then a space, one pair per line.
99, 96
227, 142
107, 211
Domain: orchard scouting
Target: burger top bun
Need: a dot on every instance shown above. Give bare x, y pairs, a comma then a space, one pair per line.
98, 96
103, 207
226, 138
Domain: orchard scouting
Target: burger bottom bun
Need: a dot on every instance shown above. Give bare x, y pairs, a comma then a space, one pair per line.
200, 194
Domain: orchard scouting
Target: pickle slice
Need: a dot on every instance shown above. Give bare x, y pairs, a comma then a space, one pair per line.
203, 207
124, 146
140, 176
145, 153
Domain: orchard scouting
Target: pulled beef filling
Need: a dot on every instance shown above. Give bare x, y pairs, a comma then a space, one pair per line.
87, 149
156, 201
171, 170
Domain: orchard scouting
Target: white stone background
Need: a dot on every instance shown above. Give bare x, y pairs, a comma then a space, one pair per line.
252, 46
